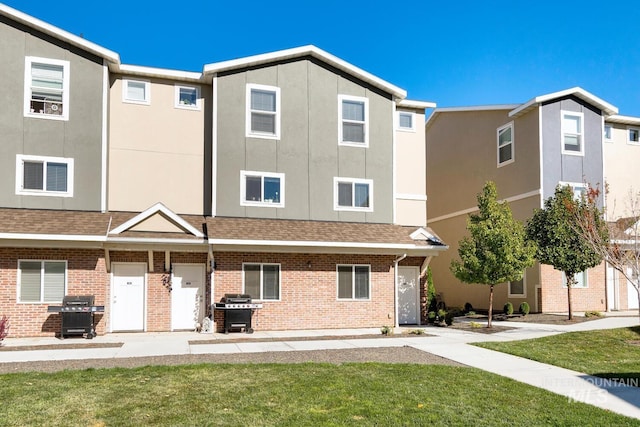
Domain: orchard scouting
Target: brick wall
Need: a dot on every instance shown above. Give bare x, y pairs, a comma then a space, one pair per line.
309, 294
85, 276
554, 295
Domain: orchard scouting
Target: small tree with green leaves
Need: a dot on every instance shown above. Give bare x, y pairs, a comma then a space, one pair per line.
497, 251
431, 292
554, 229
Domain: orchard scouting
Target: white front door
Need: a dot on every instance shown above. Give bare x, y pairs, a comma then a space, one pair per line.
408, 291
613, 289
127, 297
187, 296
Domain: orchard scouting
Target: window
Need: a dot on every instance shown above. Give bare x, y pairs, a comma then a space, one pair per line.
353, 282
406, 121
262, 189
634, 136
353, 194
608, 133
579, 190
44, 176
581, 279
354, 123
46, 90
262, 281
41, 281
187, 97
517, 289
136, 91
263, 111
572, 134
505, 144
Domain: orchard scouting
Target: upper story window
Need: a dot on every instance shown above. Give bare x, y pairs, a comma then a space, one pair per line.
352, 194
634, 136
579, 189
406, 121
608, 133
261, 281
572, 133
263, 111
354, 282
41, 281
505, 144
46, 88
44, 176
353, 121
187, 97
136, 91
261, 189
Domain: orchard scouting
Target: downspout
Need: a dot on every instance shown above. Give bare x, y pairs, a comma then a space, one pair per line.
395, 288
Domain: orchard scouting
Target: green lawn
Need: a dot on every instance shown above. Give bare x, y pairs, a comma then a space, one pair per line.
287, 395
613, 353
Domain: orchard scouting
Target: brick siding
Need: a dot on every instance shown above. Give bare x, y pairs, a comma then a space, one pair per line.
554, 295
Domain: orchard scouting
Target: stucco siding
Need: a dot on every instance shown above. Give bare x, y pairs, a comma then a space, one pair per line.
78, 138
307, 150
623, 182
158, 147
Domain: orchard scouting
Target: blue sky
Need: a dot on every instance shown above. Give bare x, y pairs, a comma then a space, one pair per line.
452, 53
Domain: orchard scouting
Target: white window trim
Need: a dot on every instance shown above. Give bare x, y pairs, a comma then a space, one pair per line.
41, 261
249, 132
524, 288
413, 121
564, 113
147, 91
262, 264
629, 141
21, 158
177, 104
610, 138
243, 189
353, 282
586, 281
29, 60
512, 143
574, 185
365, 101
352, 181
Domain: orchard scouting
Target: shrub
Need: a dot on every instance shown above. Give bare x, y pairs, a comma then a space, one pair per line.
416, 332
431, 292
508, 308
475, 325
593, 313
386, 330
431, 317
448, 318
468, 307
4, 328
524, 308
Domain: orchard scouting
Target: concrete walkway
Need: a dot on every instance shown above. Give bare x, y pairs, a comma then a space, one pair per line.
445, 342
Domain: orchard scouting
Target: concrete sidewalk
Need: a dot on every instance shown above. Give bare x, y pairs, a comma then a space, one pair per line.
450, 343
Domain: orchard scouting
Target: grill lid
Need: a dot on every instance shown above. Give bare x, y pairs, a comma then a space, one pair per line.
78, 300
236, 298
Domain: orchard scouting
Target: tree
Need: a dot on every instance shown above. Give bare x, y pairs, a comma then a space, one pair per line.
617, 242
497, 251
559, 245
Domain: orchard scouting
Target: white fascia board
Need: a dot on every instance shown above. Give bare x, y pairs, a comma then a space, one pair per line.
163, 73
58, 33
607, 108
625, 120
155, 241
316, 244
52, 237
158, 207
418, 105
439, 110
297, 52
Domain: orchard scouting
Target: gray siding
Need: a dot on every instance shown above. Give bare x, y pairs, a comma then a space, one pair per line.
558, 167
307, 151
79, 138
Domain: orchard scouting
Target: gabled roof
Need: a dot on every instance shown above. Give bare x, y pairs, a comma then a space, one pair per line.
158, 209
58, 33
607, 109
301, 52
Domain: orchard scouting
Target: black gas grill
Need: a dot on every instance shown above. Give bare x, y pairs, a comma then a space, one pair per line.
77, 315
238, 310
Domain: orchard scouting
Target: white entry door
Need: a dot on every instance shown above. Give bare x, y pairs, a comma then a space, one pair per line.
187, 296
408, 291
127, 297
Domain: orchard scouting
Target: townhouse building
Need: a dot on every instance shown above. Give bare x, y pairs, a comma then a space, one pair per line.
291, 176
527, 149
